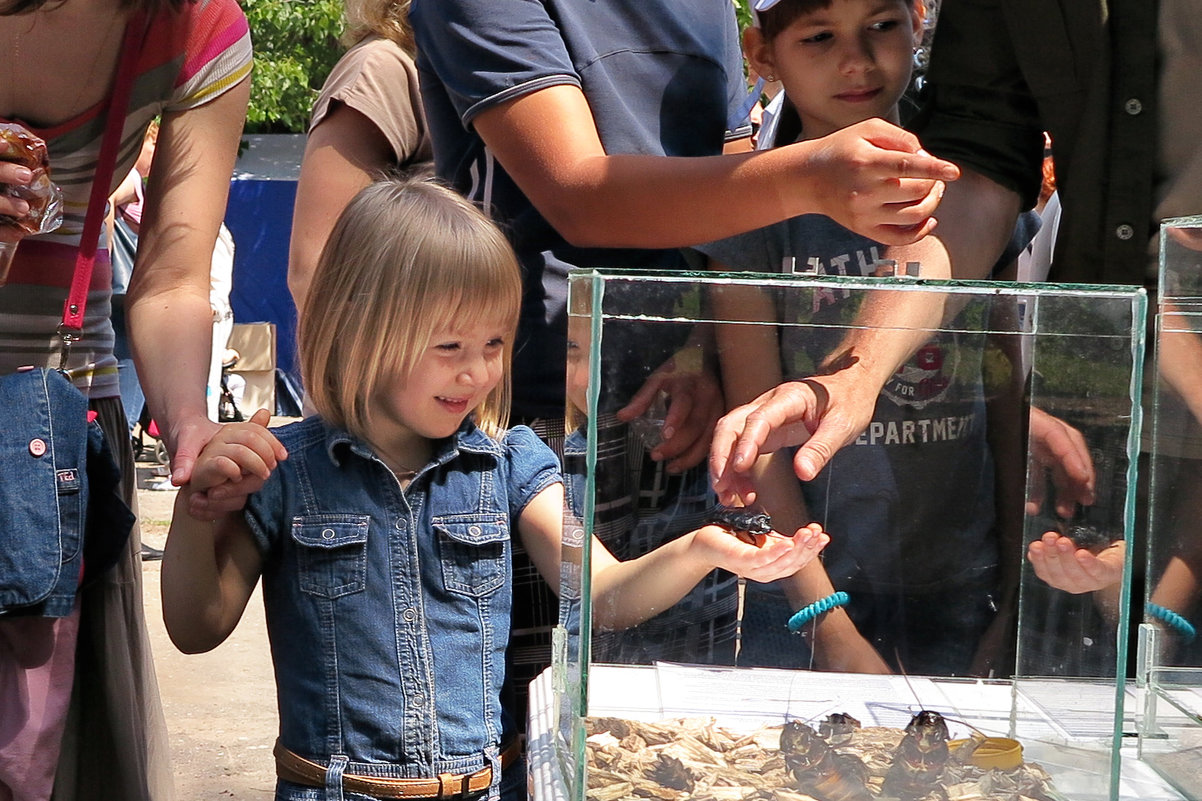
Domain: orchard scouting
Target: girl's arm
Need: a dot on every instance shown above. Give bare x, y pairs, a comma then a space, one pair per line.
210, 566
627, 593
209, 572
170, 319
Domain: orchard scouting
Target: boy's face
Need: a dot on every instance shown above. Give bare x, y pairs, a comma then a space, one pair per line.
842, 64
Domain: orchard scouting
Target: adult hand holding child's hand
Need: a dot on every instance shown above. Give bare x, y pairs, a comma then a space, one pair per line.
235, 462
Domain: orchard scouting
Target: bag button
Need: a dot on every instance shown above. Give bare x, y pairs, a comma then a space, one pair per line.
37, 447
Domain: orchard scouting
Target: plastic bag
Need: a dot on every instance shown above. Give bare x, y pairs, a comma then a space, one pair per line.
44, 197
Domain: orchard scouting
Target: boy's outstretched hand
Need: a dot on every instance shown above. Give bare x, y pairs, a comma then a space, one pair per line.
1059, 562
875, 179
235, 463
775, 555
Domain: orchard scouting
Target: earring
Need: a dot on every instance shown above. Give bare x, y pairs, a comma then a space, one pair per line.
770, 78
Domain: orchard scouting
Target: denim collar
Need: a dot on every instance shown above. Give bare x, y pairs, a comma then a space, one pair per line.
468, 439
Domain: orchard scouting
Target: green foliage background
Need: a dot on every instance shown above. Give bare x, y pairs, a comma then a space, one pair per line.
296, 45
743, 12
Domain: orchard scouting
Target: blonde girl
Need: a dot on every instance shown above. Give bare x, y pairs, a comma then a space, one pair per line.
384, 539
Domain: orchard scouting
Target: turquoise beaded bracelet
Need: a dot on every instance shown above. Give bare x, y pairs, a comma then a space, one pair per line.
1173, 620
808, 613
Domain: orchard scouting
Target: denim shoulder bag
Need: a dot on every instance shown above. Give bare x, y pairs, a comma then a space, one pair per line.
59, 508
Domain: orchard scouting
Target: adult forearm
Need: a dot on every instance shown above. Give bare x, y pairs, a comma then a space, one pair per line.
870, 177
344, 153
171, 335
662, 202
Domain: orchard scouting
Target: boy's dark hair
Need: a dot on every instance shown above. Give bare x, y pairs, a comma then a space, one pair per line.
781, 15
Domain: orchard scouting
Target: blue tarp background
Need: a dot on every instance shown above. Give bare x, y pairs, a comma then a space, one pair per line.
259, 216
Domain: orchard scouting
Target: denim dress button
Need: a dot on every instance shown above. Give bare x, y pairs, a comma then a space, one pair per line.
328, 534
400, 524
37, 447
409, 614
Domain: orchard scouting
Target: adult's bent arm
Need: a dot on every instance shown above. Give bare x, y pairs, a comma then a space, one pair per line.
343, 154
871, 177
170, 318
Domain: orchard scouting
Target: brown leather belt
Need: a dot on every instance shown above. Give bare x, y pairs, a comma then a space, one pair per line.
298, 770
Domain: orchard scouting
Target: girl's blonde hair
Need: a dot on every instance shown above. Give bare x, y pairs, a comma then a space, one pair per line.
387, 18
407, 258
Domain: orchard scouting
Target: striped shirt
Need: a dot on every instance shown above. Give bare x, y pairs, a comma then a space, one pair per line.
189, 58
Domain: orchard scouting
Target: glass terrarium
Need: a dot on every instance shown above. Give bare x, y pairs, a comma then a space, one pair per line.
922, 654
1170, 655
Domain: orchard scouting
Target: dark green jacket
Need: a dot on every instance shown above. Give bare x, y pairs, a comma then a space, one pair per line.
1004, 71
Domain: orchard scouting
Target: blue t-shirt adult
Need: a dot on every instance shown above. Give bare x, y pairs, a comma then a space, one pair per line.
661, 78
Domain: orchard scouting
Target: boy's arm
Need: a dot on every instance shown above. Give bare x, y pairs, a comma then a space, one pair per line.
750, 358
871, 177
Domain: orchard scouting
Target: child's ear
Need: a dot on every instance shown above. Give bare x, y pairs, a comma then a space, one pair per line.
758, 52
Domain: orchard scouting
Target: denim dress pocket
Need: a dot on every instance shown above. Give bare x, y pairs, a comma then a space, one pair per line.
331, 553
474, 554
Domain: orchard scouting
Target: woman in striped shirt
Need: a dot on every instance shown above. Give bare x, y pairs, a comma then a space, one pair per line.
56, 75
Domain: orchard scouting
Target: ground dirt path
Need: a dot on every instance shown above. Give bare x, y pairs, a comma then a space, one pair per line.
220, 706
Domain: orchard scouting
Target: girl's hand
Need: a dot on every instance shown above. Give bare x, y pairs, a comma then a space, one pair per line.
775, 556
235, 463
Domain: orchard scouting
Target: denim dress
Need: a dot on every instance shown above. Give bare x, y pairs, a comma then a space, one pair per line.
388, 610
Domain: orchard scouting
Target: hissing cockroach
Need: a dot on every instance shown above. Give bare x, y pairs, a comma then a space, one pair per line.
744, 523
820, 771
919, 759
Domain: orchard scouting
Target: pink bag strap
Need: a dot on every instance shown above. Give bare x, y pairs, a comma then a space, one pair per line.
77, 298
